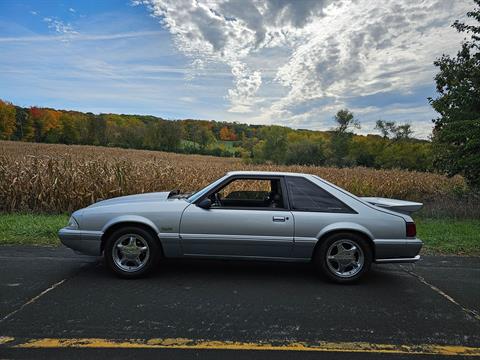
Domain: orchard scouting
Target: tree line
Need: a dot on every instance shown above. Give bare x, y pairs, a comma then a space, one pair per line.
393, 148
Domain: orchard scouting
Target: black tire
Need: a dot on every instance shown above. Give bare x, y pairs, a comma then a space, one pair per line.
321, 263
142, 237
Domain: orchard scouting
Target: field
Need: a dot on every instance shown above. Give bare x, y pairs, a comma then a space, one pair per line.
58, 178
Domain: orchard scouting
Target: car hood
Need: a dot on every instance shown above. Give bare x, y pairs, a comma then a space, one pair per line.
139, 198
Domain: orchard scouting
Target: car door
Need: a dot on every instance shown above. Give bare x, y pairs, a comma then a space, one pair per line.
243, 225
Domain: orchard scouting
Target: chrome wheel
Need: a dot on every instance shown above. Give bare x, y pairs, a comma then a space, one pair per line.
130, 252
345, 258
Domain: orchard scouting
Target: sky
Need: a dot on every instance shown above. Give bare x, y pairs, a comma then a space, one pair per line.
290, 63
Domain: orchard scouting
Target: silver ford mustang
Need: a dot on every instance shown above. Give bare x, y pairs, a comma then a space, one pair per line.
249, 215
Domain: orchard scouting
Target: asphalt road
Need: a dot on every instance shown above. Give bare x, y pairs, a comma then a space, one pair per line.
55, 304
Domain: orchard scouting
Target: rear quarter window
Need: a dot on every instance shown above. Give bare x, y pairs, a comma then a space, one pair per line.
306, 196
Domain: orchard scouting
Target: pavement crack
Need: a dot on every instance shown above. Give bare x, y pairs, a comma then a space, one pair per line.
35, 298
420, 278
32, 300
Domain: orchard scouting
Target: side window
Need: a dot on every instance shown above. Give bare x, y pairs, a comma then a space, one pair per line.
307, 196
246, 189
248, 193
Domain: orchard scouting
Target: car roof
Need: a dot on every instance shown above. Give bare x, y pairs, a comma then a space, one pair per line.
268, 173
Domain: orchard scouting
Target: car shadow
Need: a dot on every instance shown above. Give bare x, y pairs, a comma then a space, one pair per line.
254, 271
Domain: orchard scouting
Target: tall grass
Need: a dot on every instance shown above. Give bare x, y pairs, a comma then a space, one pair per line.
59, 178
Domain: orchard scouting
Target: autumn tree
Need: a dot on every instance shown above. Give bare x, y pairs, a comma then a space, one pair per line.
274, 143
96, 130
227, 134
173, 133
342, 136
413, 156
306, 152
345, 121
113, 134
456, 134
132, 132
390, 129
204, 137
163, 135
364, 150
224, 134
24, 129
248, 144
7, 120
71, 131
46, 123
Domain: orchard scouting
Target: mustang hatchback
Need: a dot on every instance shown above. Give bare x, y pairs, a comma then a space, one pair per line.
249, 215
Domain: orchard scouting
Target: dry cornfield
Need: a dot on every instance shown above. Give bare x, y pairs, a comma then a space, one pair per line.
61, 178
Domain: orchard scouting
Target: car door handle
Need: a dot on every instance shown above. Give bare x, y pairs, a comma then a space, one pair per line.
279, 218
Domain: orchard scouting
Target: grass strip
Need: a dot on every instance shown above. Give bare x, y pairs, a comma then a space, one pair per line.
441, 236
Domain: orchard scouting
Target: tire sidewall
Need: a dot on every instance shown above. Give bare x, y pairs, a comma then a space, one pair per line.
153, 245
320, 257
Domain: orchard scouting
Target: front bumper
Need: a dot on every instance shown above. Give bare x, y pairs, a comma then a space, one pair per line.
397, 250
82, 241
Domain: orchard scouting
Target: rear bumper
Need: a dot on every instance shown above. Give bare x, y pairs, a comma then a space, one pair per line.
82, 241
397, 250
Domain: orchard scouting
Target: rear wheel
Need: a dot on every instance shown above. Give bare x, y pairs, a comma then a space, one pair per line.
131, 252
343, 257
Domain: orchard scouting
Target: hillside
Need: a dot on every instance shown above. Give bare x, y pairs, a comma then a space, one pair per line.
255, 143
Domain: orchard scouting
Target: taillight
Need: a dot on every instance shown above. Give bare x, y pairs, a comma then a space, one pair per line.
411, 229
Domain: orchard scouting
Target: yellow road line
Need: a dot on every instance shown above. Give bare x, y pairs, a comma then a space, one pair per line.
181, 343
5, 339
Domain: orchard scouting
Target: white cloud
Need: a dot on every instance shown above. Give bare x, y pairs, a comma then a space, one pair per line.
59, 26
230, 31
323, 50
247, 84
364, 49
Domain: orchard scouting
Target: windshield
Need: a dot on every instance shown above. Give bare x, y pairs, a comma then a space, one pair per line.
195, 196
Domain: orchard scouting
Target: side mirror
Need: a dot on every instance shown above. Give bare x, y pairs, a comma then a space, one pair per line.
205, 203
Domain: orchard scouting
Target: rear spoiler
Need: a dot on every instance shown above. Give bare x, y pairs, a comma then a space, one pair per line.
401, 206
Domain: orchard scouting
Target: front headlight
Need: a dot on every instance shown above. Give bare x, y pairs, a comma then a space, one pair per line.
72, 223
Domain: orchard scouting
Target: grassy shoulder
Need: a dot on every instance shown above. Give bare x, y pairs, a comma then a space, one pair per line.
450, 236
441, 236
30, 229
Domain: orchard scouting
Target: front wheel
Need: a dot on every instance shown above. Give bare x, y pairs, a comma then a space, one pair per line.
343, 257
131, 252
